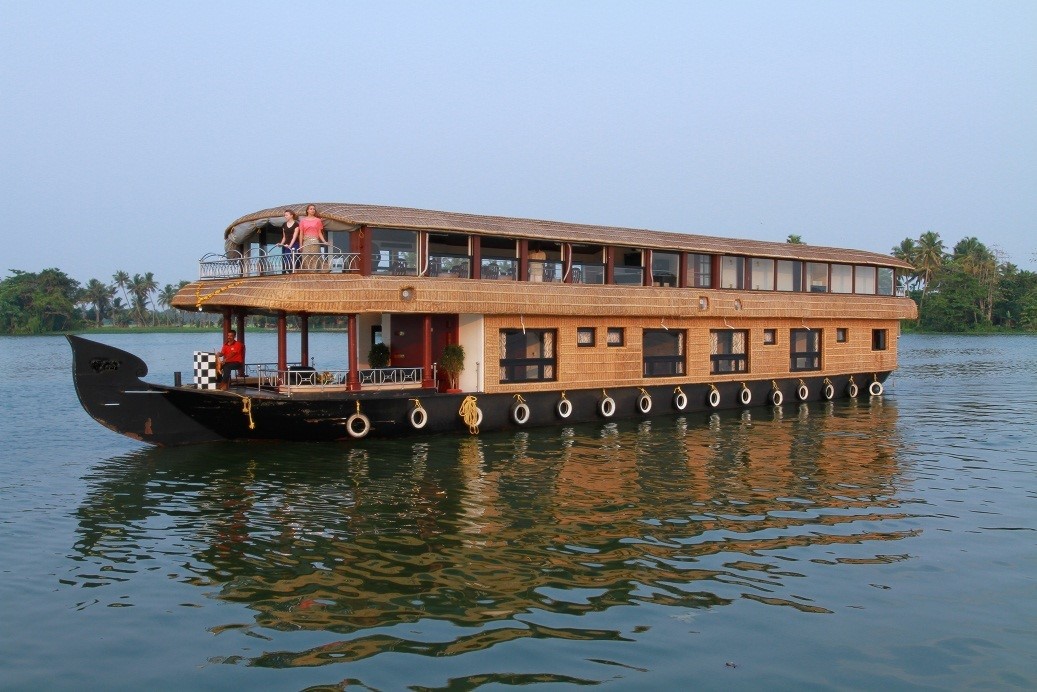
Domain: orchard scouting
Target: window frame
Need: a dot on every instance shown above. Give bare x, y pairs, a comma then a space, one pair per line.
542, 363
677, 360
740, 360
796, 356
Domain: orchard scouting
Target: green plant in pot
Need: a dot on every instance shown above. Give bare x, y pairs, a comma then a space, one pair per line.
452, 363
378, 356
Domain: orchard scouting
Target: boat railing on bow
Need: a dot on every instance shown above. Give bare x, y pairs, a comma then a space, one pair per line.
273, 262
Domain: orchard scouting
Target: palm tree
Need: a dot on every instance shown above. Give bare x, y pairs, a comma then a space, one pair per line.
141, 287
100, 295
929, 259
795, 239
122, 280
165, 297
908, 251
979, 262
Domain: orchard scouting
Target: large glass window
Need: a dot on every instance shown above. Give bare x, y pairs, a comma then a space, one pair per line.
732, 272
842, 278
885, 287
666, 266
790, 275
628, 267
879, 340
499, 258
663, 352
817, 277
588, 264
805, 349
527, 355
728, 350
700, 271
864, 279
448, 255
394, 251
761, 273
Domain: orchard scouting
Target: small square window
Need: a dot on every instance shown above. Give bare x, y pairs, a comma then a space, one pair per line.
615, 336
586, 336
770, 337
840, 335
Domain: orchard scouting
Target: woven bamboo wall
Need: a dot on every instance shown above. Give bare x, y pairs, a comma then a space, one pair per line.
610, 366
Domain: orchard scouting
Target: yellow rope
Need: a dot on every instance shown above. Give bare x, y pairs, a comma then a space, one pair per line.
827, 381
774, 385
417, 404
713, 388
246, 407
644, 393
680, 392
199, 298
469, 412
519, 399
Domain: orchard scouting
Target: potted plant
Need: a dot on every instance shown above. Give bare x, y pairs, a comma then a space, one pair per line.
378, 356
452, 363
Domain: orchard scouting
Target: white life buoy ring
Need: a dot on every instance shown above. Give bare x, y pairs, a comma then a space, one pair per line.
520, 413
644, 403
875, 388
828, 392
564, 408
714, 397
803, 393
680, 401
777, 397
607, 407
745, 396
418, 418
851, 390
358, 432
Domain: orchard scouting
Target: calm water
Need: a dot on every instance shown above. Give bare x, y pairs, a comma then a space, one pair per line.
867, 545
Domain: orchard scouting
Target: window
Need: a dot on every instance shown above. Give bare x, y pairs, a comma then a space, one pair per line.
817, 277
615, 336
885, 281
628, 267
770, 337
588, 264
586, 336
666, 266
842, 278
663, 352
527, 356
732, 272
762, 274
727, 348
790, 275
700, 271
394, 251
805, 349
878, 340
864, 279
841, 335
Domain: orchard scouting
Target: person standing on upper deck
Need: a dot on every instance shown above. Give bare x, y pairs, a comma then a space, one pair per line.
290, 248
311, 228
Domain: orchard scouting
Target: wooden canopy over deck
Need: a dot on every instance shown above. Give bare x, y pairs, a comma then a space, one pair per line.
339, 216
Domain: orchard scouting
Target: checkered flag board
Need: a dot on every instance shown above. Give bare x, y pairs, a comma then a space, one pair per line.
205, 370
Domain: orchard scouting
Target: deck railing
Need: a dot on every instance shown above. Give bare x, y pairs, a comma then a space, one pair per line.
259, 262
269, 377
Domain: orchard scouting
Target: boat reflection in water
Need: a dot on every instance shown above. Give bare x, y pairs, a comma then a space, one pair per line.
453, 545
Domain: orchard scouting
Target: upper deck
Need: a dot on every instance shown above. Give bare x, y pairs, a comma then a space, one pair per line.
371, 242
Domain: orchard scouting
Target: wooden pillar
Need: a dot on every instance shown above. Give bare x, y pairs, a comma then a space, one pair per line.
523, 260
426, 353
282, 341
682, 271
610, 265
360, 243
353, 379
304, 339
648, 278
476, 258
567, 263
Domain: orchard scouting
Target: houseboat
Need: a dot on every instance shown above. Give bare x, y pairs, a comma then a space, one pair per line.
556, 323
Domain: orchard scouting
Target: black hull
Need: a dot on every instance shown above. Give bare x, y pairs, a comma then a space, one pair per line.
108, 382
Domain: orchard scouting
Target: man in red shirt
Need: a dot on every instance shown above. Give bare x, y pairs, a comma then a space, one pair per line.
230, 358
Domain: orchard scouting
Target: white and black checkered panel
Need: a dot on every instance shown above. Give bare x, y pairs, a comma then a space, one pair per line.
205, 370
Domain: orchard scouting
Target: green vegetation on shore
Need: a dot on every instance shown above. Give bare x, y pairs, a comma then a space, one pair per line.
966, 289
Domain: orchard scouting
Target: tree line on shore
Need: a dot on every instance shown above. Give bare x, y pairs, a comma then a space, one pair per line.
966, 288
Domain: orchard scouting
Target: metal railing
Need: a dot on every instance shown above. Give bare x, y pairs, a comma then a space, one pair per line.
259, 262
269, 377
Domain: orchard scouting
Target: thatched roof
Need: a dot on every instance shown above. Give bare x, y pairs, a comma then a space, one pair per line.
349, 217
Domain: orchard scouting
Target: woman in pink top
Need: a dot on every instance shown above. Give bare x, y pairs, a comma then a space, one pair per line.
311, 228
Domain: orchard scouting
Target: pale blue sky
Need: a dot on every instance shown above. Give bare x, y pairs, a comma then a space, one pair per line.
134, 132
